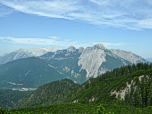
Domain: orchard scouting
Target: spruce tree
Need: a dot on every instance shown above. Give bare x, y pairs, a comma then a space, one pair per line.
149, 96
127, 96
119, 99
139, 97
131, 95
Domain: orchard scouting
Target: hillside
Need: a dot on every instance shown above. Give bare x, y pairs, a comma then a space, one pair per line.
8, 97
99, 90
27, 73
48, 94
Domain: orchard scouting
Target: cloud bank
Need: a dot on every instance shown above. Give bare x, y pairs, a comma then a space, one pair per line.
107, 44
55, 41
130, 14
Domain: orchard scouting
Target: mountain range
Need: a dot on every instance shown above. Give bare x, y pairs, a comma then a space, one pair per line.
24, 53
76, 64
91, 61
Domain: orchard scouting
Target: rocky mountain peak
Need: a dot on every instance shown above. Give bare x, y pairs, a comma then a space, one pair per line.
38, 47
100, 46
20, 50
71, 49
81, 49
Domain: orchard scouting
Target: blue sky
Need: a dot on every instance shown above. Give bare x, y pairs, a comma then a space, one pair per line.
117, 24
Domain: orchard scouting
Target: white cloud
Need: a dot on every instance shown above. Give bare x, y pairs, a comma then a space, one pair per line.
4, 10
40, 41
130, 14
66, 40
100, 2
54, 37
107, 44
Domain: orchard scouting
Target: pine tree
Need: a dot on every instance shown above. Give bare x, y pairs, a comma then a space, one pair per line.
131, 95
149, 96
139, 97
135, 98
119, 99
127, 96
144, 92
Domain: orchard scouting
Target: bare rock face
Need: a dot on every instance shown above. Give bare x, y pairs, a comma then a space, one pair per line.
99, 46
81, 49
88, 62
91, 59
133, 58
71, 49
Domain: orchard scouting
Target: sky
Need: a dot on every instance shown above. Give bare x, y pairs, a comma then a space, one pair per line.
117, 24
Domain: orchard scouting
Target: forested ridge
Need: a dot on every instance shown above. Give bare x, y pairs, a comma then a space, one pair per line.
98, 88
66, 91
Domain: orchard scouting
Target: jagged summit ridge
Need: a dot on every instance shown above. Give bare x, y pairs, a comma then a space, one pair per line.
133, 58
71, 49
88, 62
81, 49
21, 49
97, 46
100, 46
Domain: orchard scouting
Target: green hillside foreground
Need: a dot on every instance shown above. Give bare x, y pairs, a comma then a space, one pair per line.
137, 100
29, 72
78, 108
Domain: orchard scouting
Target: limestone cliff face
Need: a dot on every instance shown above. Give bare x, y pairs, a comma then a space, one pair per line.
94, 60
81, 63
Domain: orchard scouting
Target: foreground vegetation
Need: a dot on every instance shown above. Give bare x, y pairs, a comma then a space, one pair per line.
58, 96
77, 108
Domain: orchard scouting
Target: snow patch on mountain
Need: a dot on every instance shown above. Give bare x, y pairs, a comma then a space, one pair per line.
38, 51
91, 60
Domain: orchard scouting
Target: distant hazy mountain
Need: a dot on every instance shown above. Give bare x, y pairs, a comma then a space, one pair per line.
13, 56
3, 55
24, 53
92, 61
38, 51
27, 73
